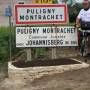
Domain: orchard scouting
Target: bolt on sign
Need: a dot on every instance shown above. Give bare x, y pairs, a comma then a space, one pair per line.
41, 14
46, 36
43, 1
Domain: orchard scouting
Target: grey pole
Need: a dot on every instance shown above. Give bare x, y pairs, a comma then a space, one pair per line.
10, 47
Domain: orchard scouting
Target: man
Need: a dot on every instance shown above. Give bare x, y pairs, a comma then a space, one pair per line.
83, 20
84, 14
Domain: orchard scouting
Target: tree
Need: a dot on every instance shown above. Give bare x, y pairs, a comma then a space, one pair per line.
73, 11
55, 1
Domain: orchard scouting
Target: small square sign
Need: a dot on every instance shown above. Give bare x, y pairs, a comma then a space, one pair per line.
8, 11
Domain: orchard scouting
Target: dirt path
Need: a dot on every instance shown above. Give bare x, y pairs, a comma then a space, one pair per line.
72, 80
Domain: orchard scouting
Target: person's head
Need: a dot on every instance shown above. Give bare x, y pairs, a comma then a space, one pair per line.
85, 4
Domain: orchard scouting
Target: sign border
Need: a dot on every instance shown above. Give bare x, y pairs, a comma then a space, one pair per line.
41, 22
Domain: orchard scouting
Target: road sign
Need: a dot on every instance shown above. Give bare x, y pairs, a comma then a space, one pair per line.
41, 14
43, 1
8, 11
46, 36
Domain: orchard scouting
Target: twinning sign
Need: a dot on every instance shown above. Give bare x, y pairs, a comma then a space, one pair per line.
41, 14
46, 36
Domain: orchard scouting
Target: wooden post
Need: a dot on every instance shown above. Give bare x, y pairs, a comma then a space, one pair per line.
29, 55
53, 51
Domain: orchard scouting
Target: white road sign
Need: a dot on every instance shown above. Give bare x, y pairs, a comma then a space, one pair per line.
46, 36
41, 14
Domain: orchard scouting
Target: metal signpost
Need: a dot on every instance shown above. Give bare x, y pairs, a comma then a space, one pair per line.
46, 14
41, 14
8, 12
46, 37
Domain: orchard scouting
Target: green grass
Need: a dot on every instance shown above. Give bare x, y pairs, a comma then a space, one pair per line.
4, 48
4, 43
4, 36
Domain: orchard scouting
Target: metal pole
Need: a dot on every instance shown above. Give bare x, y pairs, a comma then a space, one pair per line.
10, 47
